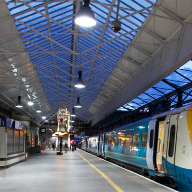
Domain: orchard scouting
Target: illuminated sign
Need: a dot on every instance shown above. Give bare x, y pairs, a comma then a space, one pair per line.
60, 133
43, 130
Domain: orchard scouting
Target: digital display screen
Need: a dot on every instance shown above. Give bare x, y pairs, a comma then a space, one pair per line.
43, 130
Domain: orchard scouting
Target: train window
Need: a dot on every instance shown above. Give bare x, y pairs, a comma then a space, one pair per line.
128, 140
136, 140
144, 139
171, 140
151, 139
117, 141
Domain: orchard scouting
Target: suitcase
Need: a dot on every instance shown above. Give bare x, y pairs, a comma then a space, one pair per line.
72, 148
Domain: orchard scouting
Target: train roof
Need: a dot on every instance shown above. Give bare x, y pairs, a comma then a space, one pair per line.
177, 110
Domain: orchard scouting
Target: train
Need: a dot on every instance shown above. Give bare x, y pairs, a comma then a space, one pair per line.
160, 145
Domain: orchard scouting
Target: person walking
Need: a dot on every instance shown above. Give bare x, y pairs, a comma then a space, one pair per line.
66, 147
75, 146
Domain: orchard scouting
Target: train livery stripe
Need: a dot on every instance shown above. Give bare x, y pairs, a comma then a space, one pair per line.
107, 178
126, 155
189, 121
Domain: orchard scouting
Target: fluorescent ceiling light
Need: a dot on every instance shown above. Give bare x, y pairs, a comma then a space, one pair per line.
85, 17
78, 104
79, 83
30, 103
73, 113
19, 104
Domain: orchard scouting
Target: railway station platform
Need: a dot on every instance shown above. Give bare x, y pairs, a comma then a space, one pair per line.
73, 172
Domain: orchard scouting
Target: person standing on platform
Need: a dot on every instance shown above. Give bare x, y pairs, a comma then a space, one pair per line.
61, 145
53, 146
72, 146
66, 147
75, 145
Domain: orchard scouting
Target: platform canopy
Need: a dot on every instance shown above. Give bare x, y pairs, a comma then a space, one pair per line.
42, 50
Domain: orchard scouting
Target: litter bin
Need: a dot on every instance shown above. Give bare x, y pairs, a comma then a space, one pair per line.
38, 150
32, 150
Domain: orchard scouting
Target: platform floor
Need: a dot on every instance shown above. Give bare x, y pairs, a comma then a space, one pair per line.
72, 172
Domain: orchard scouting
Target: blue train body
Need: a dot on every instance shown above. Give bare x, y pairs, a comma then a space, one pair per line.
122, 150
162, 145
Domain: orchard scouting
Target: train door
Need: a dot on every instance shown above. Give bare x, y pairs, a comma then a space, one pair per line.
98, 145
151, 144
160, 141
171, 144
155, 141
86, 140
100, 149
104, 144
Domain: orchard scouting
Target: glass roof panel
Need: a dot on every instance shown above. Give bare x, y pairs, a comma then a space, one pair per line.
46, 36
131, 105
163, 87
154, 93
177, 79
138, 101
145, 97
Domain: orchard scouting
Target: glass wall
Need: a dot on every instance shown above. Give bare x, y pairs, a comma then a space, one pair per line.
21, 148
15, 141
16, 136
10, 141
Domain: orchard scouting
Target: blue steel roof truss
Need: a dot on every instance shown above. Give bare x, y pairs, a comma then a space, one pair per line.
178, 79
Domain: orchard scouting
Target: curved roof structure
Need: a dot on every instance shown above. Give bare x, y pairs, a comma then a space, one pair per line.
42, 50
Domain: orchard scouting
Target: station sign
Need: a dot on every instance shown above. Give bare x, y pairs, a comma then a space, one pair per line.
6, 122
20, 126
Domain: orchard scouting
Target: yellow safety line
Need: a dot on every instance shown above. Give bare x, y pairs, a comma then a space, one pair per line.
107, 178
126, 155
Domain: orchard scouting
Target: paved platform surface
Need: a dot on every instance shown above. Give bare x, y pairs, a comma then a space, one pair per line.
72, 172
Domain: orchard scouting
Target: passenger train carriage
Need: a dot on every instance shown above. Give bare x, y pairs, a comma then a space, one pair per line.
161, 144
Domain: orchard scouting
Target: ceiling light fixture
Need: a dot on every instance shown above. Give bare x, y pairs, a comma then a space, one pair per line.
78, 104
19, 104
79, 83
72, 121
43, 117
38, 111
30, 103
73, 113
85, 17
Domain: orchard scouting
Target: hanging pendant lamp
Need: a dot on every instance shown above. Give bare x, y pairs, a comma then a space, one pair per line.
78, 104
19, 104
38, 111
79, 83
72, 121
85, 17
73, 113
